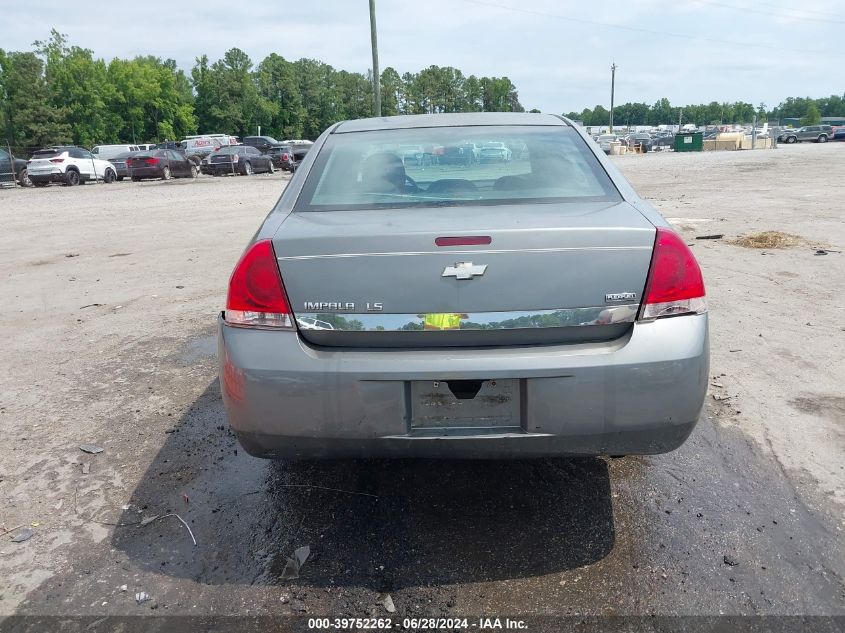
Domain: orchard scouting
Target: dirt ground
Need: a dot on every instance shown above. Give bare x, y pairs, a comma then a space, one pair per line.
111, 295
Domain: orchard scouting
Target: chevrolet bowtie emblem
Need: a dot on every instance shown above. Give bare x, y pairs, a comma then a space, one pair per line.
464, 270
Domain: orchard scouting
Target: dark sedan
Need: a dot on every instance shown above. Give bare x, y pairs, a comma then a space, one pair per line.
160, 163
645, 141
120, 166
239, 159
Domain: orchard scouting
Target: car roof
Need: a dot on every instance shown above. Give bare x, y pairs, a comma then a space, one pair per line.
448, 120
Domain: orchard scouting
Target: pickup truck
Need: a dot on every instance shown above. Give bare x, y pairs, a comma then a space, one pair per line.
286, 155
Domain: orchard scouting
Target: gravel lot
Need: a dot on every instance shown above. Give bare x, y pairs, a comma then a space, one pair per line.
111, 294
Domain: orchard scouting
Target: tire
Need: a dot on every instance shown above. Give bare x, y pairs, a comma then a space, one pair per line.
120, 179
791, 139
195, 171
823, 138
109, 177
165, 173
23, 178
72, 178
271, 169
247, 169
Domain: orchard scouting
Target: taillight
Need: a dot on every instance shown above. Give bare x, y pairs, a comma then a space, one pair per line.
256, 293
151, 161
57, 160
674, 285
285, 156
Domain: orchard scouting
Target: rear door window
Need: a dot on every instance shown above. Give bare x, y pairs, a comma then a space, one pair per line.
454, 166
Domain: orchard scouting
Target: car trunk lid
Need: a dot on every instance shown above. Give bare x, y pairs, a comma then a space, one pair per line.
540, 273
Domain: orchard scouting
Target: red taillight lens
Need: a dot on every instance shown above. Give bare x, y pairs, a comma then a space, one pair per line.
256, 293
285, 156
151, 161
674, 285
57, 160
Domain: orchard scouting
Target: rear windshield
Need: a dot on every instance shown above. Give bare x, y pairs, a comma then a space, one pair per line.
47, 153
451, 166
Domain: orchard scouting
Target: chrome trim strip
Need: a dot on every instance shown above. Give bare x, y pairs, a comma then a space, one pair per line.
472, 252
514, 320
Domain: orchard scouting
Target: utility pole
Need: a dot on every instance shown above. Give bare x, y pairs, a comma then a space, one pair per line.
376, 75
612, 92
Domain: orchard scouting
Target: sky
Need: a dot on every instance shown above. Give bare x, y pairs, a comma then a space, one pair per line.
558, 53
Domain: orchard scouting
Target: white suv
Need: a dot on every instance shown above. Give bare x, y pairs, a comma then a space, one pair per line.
69, 166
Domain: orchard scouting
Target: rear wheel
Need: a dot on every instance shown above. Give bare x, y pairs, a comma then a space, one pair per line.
195, 171
791, 139
247, 168
823, 138
109, 177
165, 173
270, 168
23, 178
72, 178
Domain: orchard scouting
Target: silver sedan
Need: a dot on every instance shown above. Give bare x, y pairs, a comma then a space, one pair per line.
505, 309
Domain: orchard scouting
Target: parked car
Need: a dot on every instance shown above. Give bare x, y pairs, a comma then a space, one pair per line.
839, 134
300, 149
120, 166
168, 145
464, 153
12, 168
815, 133
645, 141
663, 140
161, 163
604, 141
281, 154
107, 152
68, 165
146, 147
239, 159
495, 151
385, 310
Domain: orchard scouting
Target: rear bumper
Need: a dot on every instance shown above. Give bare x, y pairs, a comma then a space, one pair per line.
45, 176
641, 394
145, 172
221, 169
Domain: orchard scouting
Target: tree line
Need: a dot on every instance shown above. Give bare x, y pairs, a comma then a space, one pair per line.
662, 112
58, 93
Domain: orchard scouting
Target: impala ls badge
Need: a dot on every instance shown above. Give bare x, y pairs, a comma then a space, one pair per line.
620, 296
464, 270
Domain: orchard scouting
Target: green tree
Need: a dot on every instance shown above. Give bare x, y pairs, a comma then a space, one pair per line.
27, 117
277, 84
813, 116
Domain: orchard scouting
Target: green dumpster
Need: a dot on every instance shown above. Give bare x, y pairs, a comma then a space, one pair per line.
689, 142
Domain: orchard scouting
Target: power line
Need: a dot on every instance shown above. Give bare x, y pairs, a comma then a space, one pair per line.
635, 29
773, 14
803, 10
